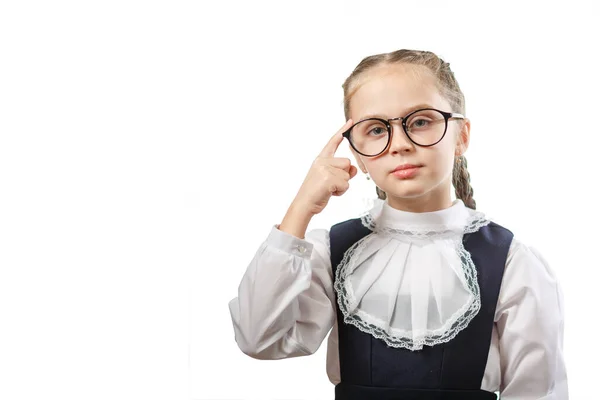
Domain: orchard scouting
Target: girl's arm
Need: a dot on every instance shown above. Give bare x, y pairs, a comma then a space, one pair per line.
529, 318
285, 303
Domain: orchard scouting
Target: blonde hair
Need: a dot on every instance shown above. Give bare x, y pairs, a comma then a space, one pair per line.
445, 83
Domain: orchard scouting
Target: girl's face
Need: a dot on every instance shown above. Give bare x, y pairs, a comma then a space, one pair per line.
394, 91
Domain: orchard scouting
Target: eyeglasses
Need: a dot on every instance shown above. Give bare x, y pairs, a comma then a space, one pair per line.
425, 127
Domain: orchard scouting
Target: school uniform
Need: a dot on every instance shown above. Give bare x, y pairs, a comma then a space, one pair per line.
437, 305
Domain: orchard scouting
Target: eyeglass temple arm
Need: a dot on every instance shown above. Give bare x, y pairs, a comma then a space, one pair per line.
456, 115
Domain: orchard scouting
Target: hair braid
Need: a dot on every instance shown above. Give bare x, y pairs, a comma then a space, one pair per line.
461, 179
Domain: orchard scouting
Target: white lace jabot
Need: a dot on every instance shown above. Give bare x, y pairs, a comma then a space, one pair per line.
411, 282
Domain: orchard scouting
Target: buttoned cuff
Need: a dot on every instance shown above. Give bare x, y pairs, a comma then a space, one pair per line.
289, 243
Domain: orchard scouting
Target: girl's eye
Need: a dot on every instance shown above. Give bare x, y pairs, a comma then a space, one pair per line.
377, 131
418, 123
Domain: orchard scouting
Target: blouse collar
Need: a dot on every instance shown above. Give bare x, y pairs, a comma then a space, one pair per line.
456, 218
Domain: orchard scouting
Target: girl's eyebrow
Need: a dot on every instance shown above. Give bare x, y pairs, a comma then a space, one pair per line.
406, 112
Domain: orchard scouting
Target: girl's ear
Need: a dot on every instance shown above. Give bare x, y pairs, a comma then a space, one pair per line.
463, 137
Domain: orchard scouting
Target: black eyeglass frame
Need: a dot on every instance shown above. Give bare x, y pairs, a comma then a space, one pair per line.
447, 116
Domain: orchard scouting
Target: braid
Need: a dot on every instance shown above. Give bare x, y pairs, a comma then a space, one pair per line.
462, 182
380, 193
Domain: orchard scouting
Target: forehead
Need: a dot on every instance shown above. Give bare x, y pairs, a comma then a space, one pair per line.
392, 90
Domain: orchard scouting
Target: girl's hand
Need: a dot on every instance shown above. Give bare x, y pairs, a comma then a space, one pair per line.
327, 176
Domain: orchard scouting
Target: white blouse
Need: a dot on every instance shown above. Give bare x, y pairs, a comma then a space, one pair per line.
286, 304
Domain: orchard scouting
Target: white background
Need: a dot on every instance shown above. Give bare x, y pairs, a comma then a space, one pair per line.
146, 149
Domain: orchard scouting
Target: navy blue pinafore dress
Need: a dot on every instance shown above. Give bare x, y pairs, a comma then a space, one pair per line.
370, 369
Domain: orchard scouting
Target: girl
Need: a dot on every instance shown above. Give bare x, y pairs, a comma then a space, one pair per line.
427, 298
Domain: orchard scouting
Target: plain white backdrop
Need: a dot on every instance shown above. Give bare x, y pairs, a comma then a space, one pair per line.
146, 149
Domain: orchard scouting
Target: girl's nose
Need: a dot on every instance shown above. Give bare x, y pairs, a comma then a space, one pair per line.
400, 141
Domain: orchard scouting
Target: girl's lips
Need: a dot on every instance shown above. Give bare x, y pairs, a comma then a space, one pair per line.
406, 173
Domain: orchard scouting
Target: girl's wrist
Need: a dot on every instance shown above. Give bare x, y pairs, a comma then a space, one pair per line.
296, 220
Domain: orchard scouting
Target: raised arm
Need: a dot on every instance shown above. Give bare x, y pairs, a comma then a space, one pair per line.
285, 304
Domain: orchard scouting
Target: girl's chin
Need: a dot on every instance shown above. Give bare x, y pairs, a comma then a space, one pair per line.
405, 187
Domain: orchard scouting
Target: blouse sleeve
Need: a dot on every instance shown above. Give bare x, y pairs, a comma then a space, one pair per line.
285, 302
530, 323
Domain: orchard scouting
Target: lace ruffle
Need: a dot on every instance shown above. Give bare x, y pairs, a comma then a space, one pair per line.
394, 336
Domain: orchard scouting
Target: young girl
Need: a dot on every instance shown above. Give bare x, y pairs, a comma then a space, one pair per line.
427, 298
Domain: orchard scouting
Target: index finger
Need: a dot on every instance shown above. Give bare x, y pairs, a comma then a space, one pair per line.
331, 146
